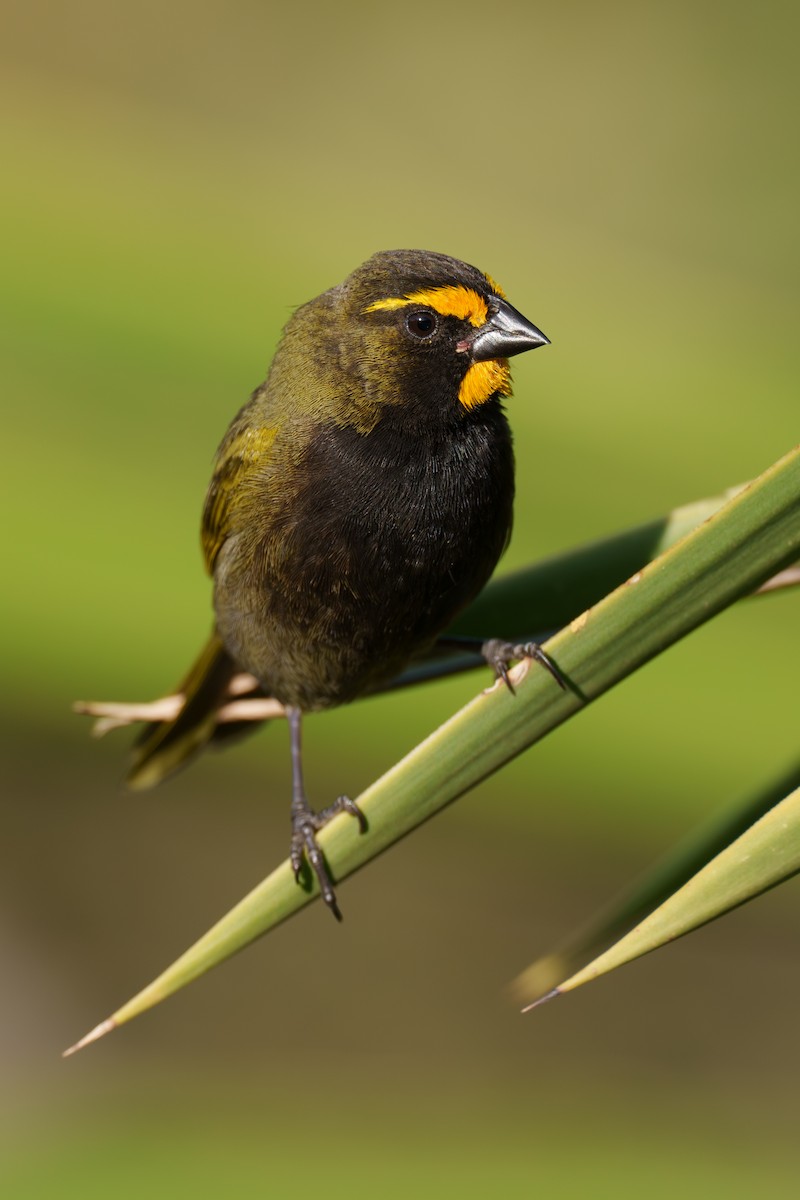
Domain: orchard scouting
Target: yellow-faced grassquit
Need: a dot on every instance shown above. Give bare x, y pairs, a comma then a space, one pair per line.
359, 500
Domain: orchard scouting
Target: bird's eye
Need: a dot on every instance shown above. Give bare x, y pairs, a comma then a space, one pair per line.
422, 323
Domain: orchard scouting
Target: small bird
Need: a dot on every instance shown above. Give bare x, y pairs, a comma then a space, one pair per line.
360, 499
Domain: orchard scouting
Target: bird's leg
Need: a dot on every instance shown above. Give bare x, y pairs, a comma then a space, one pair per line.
499, 655
306, 823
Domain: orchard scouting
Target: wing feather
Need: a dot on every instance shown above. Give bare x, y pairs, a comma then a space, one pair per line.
243, 455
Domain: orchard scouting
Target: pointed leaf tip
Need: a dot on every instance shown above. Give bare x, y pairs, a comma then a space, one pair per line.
99, 1031
542, 1000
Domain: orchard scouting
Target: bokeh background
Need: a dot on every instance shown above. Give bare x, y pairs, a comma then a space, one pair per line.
176, 178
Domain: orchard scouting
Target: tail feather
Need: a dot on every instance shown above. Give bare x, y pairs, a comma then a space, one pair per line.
166, 746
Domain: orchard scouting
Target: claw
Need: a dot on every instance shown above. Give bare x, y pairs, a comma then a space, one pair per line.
316, 861
534, 650
296, 858
345, 804
499, 655
306, 825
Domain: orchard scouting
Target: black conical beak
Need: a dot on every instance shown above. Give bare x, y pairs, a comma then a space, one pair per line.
505, 333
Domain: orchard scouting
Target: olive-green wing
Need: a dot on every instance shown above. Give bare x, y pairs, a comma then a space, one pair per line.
244, 453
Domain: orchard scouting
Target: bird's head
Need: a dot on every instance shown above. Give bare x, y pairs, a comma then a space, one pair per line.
426, 328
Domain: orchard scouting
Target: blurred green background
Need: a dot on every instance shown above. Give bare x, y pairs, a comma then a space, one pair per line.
178, 177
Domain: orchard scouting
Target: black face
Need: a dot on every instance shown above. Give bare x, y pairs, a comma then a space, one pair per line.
431, 301
427, 333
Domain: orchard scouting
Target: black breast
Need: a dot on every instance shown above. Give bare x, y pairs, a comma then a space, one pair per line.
387, 536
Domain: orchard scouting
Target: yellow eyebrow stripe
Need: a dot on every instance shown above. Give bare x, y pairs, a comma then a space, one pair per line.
498, 291
453, 301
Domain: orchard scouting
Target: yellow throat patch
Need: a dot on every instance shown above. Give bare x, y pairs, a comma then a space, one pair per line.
483, 379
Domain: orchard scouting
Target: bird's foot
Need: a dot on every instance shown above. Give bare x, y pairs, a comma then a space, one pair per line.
305, 825
499, 655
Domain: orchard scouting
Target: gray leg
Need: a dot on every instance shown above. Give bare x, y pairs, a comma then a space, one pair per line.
306, 823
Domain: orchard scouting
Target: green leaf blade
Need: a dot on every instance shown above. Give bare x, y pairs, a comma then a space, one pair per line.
754, 535
618, 918
766, 855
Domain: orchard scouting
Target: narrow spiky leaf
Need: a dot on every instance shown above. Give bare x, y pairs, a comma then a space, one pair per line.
754, 535
766, 855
